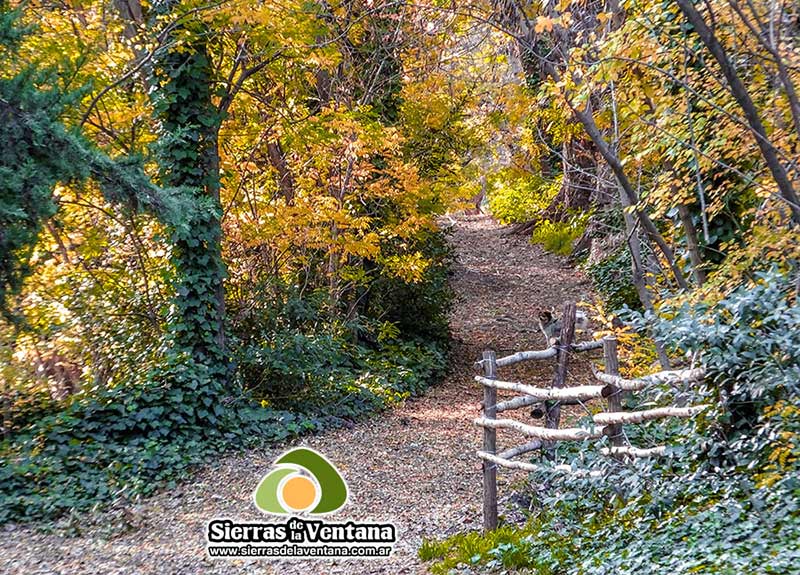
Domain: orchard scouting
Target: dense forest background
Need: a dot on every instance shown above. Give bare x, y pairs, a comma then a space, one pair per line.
218, 227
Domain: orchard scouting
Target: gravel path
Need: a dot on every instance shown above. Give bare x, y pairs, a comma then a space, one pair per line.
414, 465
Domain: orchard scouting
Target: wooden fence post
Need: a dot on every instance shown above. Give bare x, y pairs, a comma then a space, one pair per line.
614, 397
553, 411
489, 444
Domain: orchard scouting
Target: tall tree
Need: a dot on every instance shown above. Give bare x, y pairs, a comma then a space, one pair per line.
182, 87
740, 92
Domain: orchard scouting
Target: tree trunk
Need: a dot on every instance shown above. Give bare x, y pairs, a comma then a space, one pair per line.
285, 179
637, 271
615, 164
553, 410
579, 174
692, 245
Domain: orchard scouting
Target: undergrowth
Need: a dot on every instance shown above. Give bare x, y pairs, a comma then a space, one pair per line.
127, 442
559, 237
613, 279
726, 499
516, 197
294, 366
292, 371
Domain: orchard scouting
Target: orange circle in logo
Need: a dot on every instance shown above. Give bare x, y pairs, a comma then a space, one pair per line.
299, 493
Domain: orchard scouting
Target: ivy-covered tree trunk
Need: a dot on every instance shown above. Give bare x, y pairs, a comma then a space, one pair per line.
189, 160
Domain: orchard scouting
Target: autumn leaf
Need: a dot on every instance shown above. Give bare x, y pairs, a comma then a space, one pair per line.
543, 24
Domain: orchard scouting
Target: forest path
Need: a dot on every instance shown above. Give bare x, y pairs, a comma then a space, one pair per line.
414, 465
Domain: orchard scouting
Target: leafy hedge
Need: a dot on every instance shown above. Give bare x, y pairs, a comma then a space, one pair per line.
727, 501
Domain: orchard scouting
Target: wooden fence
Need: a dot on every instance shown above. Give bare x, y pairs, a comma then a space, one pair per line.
546, 402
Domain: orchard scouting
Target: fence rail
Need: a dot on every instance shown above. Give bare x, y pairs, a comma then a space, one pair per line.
541, 354
671, 377
608, 423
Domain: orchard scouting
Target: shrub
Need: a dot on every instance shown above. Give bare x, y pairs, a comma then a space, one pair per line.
131, 440
750, 345
558, 237
419, 310
294, 370
515, 197
613, 279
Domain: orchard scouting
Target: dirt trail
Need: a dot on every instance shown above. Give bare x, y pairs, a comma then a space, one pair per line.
414, 466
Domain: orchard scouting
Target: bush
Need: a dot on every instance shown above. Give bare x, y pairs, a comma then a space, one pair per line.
419, 310
558, 237
294, 370
329, 378
612, 277
750, 345
132, 440
515, 197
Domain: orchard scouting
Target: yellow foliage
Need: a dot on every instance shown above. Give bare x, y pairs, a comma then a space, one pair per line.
543, 24
637, 354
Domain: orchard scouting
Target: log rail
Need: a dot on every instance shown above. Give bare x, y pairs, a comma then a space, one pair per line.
608, 423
